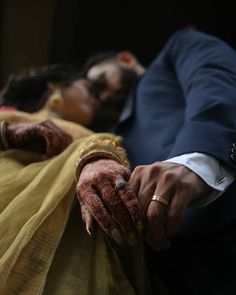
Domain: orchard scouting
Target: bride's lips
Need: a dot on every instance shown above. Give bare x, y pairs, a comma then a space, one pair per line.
94, 104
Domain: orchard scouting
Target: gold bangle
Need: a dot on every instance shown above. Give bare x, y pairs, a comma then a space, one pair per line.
105, 144
3, 138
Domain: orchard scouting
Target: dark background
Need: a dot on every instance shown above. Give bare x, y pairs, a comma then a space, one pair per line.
38, 32
140, 26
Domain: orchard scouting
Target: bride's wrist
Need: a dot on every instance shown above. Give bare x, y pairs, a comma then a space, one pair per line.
101, 148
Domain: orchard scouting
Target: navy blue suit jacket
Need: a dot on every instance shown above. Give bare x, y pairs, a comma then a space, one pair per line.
186, 102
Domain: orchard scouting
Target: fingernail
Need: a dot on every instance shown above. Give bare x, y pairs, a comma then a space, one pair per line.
88, 230
132, 239
117, 236
140, 227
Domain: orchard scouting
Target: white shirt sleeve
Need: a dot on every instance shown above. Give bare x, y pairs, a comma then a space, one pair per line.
209, 169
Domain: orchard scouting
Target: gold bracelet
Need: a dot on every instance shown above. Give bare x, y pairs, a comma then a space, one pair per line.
101, 148
4, 143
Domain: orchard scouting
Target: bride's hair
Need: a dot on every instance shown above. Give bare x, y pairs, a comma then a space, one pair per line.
27, 90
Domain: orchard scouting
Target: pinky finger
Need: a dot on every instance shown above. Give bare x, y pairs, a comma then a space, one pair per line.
87, 219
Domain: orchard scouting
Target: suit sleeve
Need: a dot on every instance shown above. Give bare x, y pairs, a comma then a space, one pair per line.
206, 70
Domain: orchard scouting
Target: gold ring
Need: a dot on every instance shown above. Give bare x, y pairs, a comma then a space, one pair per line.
160, 200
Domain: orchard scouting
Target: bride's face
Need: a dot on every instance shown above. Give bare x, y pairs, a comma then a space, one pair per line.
79, 105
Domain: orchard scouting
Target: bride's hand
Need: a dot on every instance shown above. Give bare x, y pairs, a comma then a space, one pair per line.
43, 137
105, 195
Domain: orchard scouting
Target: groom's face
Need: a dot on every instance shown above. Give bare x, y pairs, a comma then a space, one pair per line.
109, 82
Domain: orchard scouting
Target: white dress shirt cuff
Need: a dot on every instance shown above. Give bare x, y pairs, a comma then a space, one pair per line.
210, 170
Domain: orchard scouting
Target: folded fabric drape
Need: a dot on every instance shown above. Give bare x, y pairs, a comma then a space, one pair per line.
44, 248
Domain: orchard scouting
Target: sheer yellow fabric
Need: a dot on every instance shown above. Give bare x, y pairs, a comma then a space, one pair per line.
44, 248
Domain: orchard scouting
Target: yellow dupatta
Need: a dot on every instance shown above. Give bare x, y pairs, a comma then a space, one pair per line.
44, 248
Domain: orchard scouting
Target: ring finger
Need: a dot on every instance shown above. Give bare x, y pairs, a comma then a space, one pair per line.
156, 220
